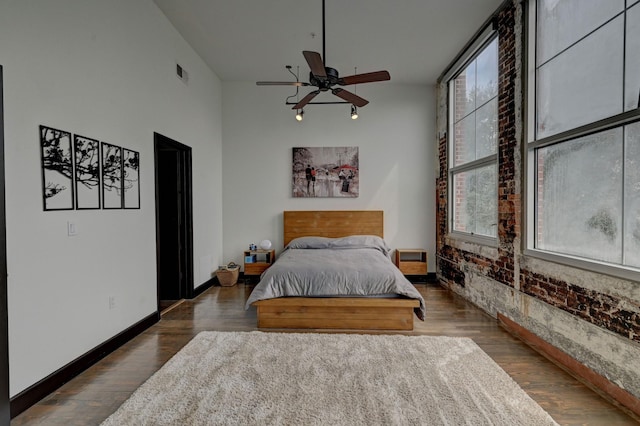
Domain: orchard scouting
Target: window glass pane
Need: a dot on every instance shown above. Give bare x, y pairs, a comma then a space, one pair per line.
487, 201
569, 84
463, 206
579, 197
562, 23
632, 195
487, 74
487, 129
475, 201
632, 75
465, 140
465, 92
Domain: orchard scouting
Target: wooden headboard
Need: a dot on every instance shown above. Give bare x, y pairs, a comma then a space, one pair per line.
332, 223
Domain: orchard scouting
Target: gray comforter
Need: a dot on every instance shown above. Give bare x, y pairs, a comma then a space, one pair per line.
335, 267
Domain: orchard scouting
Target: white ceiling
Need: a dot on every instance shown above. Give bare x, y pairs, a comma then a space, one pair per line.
251, 40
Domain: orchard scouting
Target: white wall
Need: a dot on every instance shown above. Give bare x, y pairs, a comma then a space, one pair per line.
102, 69
396, 138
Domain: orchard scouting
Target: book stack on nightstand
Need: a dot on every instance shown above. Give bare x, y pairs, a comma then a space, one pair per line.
412, 262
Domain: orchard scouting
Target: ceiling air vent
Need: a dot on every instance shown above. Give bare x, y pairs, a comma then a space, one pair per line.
182, 74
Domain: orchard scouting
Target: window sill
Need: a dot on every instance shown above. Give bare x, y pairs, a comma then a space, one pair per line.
617, 271
478, 244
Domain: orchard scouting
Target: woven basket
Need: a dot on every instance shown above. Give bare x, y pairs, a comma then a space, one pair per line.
228, 277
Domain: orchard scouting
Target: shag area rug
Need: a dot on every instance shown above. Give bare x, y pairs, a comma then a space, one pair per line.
258, 378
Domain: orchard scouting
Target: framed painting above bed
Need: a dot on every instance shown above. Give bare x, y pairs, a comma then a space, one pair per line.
326, 172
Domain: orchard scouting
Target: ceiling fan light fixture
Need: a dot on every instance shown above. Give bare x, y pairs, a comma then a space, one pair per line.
354, 112
300, 115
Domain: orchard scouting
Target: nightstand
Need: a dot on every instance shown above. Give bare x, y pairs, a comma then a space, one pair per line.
412, 261
257, 261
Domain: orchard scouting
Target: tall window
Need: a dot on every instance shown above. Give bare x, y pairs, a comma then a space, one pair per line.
473, 94
585, 135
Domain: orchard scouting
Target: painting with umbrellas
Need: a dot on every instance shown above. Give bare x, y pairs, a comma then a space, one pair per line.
323, 172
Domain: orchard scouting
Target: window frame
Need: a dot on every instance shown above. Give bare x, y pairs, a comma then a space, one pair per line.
485, 37
533, 144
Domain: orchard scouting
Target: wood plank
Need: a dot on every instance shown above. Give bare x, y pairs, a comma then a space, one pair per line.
310, 323
370, 314
255, 268
339, 301
332, 223
331, 313
413, 268
399, 319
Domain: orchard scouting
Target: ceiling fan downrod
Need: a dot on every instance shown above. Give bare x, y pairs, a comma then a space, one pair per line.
324, 56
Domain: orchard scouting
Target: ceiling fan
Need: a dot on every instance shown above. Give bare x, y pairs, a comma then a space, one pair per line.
325, 78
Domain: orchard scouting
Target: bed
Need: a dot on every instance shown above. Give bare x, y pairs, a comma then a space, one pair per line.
335, 273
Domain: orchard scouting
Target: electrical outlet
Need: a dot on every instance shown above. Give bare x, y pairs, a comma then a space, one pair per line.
112, 302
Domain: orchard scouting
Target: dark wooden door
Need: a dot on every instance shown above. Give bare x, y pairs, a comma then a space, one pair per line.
173, 221
170, 229
4, 326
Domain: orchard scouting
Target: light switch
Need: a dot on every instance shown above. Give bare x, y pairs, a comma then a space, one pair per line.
71, 229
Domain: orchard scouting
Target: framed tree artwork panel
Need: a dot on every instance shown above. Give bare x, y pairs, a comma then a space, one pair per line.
57, 169
86, 154
326, 172
111, 176
131, 179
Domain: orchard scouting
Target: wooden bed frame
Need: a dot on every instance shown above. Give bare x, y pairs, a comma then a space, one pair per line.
350, 313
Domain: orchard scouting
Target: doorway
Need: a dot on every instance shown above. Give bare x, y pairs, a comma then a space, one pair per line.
5, 413
174, 221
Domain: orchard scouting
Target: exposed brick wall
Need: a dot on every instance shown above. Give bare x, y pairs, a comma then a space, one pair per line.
508, 199
613, 313
616, 314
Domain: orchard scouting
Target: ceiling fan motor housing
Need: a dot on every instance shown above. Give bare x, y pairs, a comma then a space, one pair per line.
325, 84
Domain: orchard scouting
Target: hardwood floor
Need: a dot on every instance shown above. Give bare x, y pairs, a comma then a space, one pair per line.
95, 394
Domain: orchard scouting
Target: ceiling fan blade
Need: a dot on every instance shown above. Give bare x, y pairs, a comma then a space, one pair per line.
282, 83
350, 97
365, 78
306, 100
315, 63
